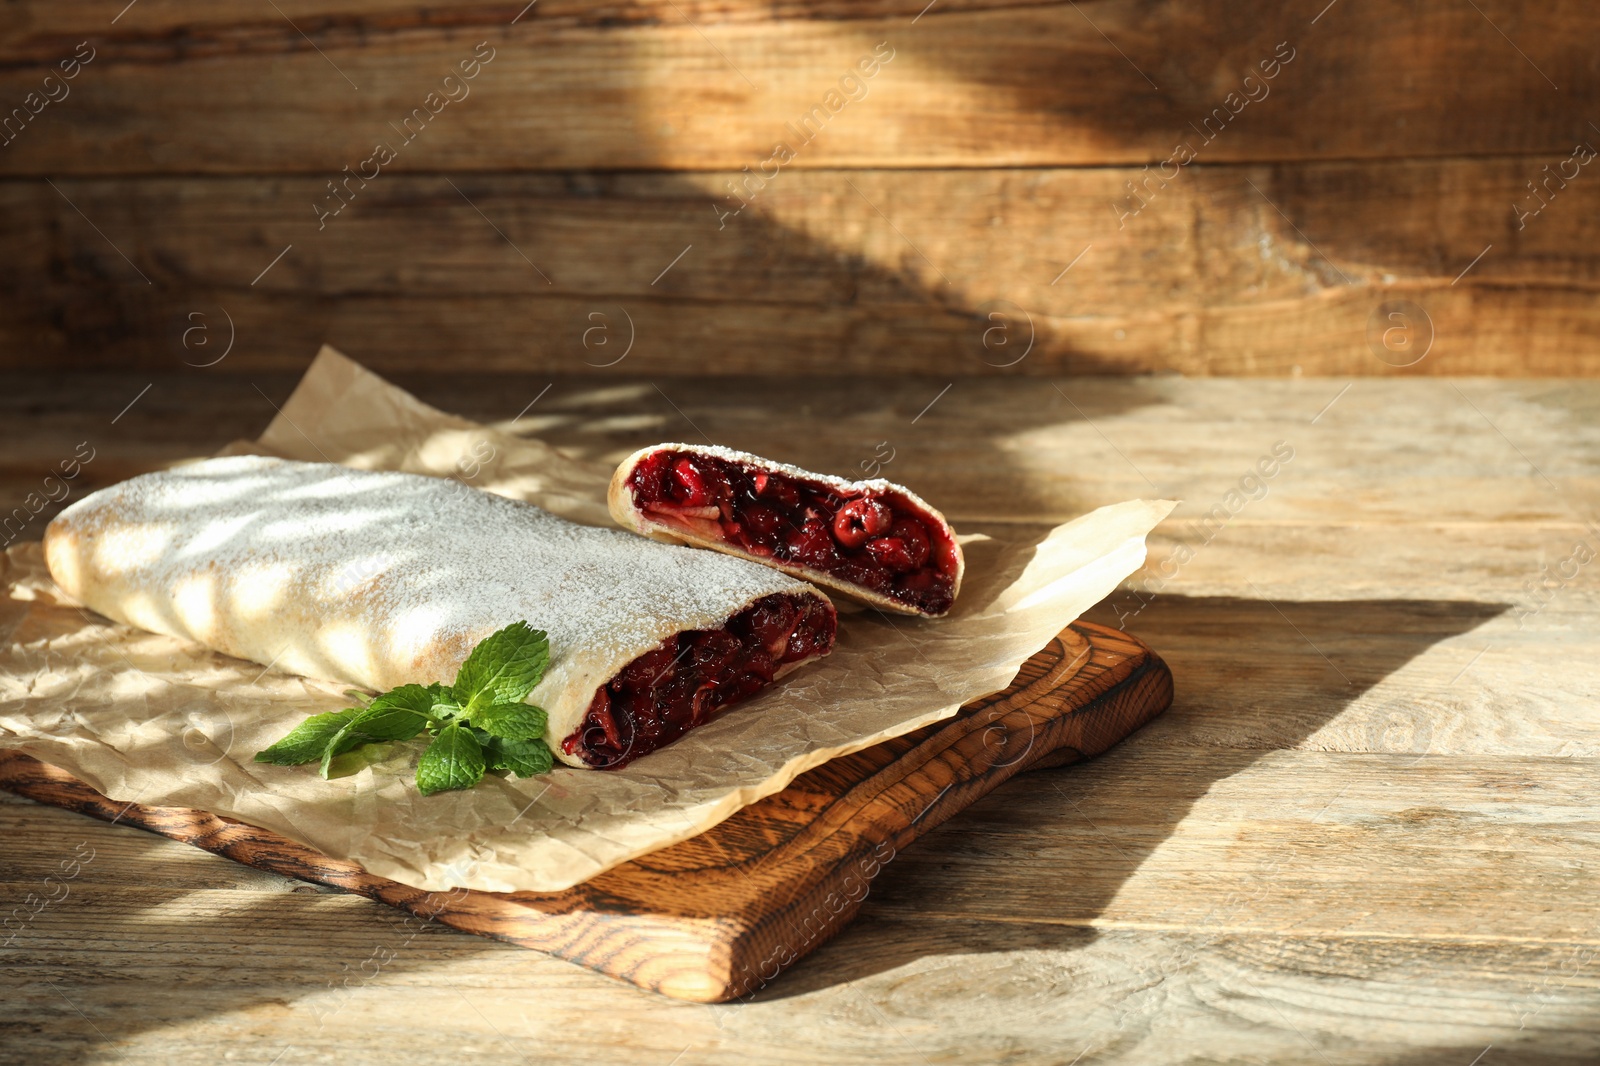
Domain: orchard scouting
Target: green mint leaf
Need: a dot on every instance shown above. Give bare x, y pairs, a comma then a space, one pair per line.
503, 668
398, 714
526, 758
453, 760
376, 724
420, 699
307, 741
482, 721
448, 710
513, 721
439, 701
443, 698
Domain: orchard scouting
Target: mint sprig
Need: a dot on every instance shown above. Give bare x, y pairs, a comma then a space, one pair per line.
453, 760
480, 722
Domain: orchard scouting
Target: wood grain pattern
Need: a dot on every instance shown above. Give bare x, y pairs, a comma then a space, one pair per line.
1399, 157
1286, 866
711, 85
1249, 270
720, 915
1345, 499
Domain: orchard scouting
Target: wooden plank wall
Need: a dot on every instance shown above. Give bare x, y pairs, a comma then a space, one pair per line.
953, 194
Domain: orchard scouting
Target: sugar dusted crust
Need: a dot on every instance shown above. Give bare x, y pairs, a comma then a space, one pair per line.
383, 579
630, 516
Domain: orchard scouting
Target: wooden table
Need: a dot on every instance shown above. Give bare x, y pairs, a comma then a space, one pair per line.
1365, 832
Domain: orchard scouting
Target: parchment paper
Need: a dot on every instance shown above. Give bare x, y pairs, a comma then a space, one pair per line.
156, 720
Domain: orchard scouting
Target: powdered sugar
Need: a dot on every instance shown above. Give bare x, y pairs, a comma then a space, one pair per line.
843, 486
384, 578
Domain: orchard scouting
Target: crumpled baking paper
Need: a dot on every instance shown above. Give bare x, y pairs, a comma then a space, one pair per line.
155, 720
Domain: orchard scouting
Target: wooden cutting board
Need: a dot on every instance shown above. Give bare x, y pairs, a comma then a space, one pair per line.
718, 916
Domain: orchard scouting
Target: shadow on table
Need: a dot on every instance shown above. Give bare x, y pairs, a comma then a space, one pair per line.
1249, 681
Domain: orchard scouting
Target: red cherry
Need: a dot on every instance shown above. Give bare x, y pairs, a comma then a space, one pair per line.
760, 520
813, 633
860, 520
813, 546
647, 670
772, 620
690, 678
674, 697
780, 489
713, 651
647, 479
696, 485
916, 535
905, 548
761, 664
866, 573
925, 588
890, 552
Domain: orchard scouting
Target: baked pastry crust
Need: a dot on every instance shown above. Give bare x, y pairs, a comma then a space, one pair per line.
628, 514
382, 579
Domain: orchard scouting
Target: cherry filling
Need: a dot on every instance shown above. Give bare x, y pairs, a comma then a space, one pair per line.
878, 540
664, 693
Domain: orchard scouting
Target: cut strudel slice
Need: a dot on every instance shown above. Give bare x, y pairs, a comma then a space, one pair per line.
874, 540
384, 579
